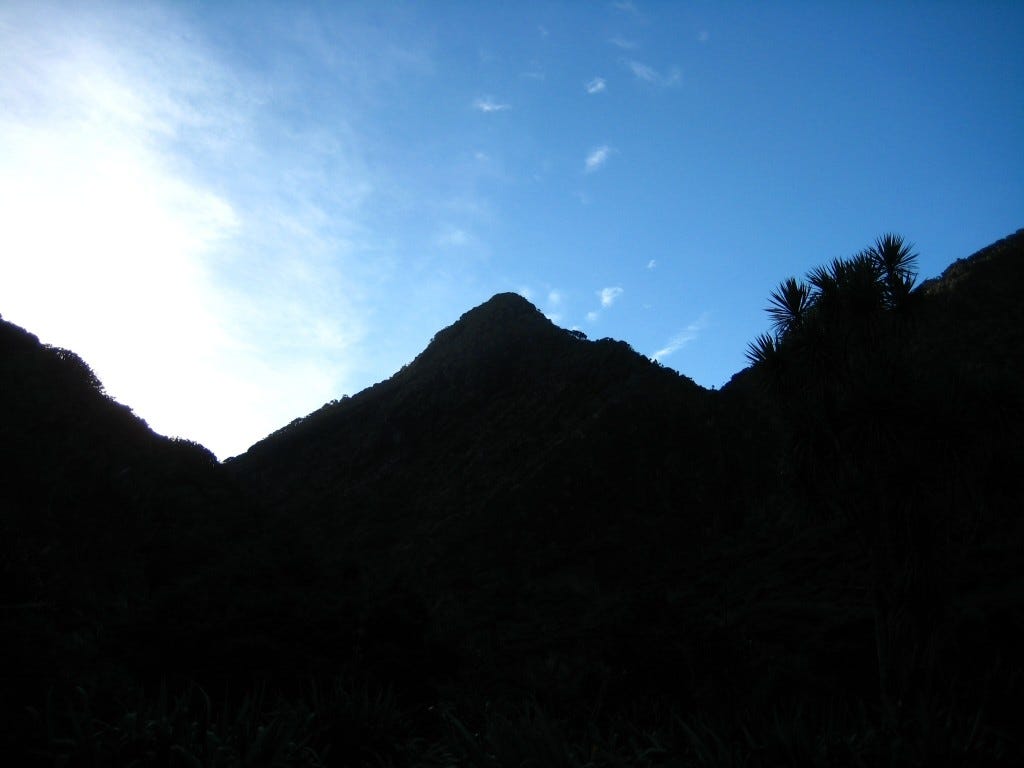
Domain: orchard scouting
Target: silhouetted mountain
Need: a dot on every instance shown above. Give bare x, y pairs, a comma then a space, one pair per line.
514, 471
975, 311
501, 404
522, 517
106, 527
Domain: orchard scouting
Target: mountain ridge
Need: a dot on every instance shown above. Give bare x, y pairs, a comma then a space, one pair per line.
485, 341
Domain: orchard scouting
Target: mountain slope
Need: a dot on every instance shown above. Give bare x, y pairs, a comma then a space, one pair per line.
513, 476
975, 311
500, 397
104, 525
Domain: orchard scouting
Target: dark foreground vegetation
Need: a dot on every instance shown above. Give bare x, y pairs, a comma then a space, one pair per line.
530, 549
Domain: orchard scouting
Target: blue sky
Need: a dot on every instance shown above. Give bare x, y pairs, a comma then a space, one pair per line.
238, 211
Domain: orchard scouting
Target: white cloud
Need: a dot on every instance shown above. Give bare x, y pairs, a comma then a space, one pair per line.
642, 71
596, 85
592, 316
597, 158
649, 74
487, 104
703, 36
684, 337
609, 295
535, 72
652, 264
555, 297
625, 5
453, 237
623, 43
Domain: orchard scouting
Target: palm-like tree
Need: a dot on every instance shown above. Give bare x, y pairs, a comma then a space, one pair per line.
788, 306
895, 261
836, 362
846, 296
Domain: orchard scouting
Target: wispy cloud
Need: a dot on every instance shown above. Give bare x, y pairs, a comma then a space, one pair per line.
535, 72
550, 301
703, 36
623, 43
652, 264
160, 221
642, 71
488, 104
596, 85
597, 158
649, 74
684, 337
626, 6
609, 295
453, 237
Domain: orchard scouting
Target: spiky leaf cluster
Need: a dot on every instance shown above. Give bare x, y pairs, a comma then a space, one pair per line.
837, 300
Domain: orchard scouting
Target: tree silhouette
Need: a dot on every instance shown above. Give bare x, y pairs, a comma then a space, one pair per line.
839, 373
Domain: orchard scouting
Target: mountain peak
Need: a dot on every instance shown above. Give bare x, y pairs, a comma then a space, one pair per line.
504, 309
507, 300
505, 320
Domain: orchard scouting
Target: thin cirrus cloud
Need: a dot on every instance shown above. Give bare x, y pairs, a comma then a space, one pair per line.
534, 72
453, 237
487, 104
623, 43
122, 232
649, 74
596, 85
596, 158
684, 337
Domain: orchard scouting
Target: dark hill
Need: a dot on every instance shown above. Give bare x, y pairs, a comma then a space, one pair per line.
975, 312
496, 401
105, 526
513, 477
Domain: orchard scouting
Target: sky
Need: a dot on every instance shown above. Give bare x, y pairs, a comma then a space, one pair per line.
238, 211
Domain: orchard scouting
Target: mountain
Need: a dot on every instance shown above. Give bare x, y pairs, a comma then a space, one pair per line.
105, 526
502, 409
524, 531
975, 312
514, 473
